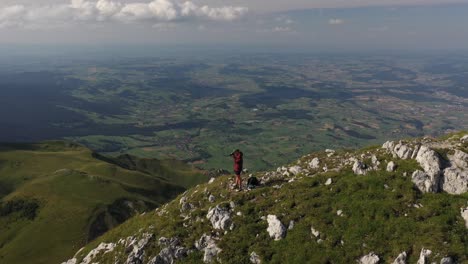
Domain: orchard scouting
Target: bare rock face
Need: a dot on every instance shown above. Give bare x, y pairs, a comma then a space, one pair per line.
401, 259
371, 258
423, 256
275, 228
219, 217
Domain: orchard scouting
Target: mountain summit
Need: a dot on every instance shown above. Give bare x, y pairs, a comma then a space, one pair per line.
403, 202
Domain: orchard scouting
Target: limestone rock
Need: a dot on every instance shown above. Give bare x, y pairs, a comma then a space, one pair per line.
219, 217
464, 139
401, 259
459, 159
431, 164
359, 168
447, 260
102, 248
455, 181
391, 166
70, 261
295, 170
207, 244
137, 249
170, 253
371, 258
423, 181
275, 228
314, 164
423, 256
211, 198
255, 259
464, 214
328, 182
314, 232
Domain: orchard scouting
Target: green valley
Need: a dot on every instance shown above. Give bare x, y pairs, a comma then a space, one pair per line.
57, 196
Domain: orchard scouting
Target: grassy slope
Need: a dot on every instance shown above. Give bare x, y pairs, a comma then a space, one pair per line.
72, 188
376, 218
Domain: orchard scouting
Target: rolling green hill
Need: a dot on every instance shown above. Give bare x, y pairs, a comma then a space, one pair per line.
56, 196
400, 201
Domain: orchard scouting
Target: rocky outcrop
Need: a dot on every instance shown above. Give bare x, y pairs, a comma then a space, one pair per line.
137, 248
171, 252
207, 244
219, 217
295, 170
360, 168
371, 258
424, 182
425, 253
401, 259
102, 248
314, 163
455, 181
275, 228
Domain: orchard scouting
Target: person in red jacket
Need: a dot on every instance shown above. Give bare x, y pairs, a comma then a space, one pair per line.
237, 155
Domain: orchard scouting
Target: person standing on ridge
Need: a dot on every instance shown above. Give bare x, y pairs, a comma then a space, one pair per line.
237, 155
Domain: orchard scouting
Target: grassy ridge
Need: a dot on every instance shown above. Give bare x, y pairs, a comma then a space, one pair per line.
78, 197
382, 212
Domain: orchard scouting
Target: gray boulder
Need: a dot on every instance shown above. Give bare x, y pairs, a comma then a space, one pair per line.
137, 249
455, 181
219, 217
314, 164
170, 253
359, 168
447, 260
425, 253
207, 244
391, 166
371, 258
401, 259
295, 170
275, 228
431, 164
255, 259
464, 215
423, 181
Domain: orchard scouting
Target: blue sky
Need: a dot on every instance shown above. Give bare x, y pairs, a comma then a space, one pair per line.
293, 24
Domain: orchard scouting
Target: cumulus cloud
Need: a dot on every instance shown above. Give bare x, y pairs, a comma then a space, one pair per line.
95, 11
335, 21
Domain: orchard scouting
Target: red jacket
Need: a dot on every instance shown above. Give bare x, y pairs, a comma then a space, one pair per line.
238, 161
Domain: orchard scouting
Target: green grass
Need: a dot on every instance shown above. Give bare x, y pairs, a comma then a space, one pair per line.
72, 189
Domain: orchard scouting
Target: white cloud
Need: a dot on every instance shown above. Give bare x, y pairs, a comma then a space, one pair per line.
95, 11
335, 21
282, 29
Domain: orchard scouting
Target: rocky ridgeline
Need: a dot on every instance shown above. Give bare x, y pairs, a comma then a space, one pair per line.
442, 166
